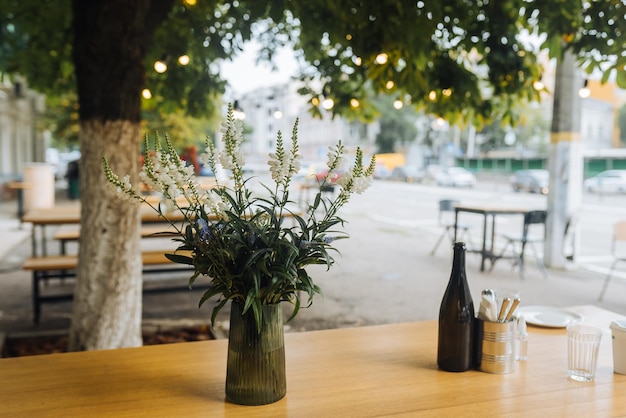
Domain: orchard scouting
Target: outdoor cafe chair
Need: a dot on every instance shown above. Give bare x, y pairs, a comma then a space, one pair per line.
618, 244
533, 220
446, 221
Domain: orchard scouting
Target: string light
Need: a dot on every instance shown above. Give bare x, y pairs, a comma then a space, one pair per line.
146, 94
354, 103
389, 85
538, 85
160, 66
238, 112
398, 104
432, 96
381, 58
183, 59
328, 103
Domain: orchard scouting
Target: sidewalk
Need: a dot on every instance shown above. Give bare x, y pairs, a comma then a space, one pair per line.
385, 275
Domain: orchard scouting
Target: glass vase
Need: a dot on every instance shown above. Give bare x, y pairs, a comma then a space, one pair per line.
255, 372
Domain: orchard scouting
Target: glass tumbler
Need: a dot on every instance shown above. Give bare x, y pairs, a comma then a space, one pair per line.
583, 344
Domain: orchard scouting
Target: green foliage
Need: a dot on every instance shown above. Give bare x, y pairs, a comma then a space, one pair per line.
531, 132
253, 247
61, 119
461, 60
397, 126
36, 42
465, 61
594, 30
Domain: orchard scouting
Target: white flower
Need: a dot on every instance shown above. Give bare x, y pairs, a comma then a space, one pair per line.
215, 205
337, 157
361, 184
344, 180
279, 168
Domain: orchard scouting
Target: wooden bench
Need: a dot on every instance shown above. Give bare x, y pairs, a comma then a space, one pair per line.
151, 231
63, 266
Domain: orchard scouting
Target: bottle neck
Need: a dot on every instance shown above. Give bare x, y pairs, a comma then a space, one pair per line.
458, 261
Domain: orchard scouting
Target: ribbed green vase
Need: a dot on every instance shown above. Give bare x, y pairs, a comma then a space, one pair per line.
255, 373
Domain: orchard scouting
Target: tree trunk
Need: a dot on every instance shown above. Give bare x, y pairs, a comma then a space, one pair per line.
107, 298
110, 41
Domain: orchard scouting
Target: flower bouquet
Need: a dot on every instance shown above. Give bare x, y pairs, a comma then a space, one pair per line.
253, 247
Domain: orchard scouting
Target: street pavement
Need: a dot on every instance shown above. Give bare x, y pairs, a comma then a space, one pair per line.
385, 274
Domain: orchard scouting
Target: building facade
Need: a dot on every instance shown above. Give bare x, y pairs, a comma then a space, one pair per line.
20, 142
268, 110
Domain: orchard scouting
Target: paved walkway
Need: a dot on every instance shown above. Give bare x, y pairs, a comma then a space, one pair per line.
385, 275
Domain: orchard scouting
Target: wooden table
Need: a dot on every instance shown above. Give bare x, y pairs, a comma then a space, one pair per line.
487, 211
387, 370
70, 214
19, 187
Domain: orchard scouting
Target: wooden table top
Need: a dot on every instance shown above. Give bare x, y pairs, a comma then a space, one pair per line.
490, 209
70, 214
386, 370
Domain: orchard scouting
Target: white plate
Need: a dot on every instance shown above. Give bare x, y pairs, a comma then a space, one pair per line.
547, 316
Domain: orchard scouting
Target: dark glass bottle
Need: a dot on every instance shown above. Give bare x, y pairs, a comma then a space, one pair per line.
456, 319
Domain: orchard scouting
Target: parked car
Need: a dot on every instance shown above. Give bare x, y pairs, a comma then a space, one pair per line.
407, 173
381, 172
455, 177
532, 181
610, 181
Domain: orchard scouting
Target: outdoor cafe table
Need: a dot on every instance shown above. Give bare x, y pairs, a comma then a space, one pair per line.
487, 211
383, 370
70, 214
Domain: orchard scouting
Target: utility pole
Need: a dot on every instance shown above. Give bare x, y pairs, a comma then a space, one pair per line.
566, 167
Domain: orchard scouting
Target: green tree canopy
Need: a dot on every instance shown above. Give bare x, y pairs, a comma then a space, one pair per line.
456, 58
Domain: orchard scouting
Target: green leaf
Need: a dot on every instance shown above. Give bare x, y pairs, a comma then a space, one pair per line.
180, 259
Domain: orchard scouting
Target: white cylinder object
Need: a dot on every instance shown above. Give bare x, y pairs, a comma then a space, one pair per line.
39, 190
618, 331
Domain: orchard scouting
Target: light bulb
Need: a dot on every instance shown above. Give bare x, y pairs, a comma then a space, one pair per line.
584, 92
381, 58
160, 67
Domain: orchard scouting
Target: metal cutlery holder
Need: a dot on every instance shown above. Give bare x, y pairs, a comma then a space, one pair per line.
495, 348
